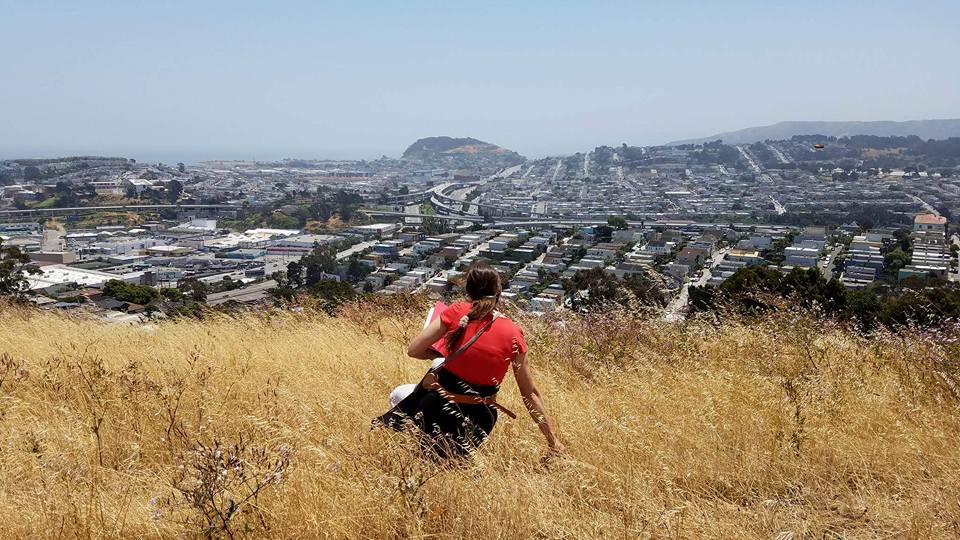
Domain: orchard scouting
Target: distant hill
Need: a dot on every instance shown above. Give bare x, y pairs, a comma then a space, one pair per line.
445, 148
925, 129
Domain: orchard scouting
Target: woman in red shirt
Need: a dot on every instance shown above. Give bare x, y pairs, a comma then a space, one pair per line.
456, 404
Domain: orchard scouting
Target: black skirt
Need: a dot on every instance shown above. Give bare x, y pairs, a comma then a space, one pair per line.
448, 429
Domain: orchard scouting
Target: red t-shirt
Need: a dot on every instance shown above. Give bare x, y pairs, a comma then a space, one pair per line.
487, 360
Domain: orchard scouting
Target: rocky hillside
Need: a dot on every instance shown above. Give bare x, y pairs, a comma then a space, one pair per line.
258, 426
466, 151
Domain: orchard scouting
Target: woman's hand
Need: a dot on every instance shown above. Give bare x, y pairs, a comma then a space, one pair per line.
534, 403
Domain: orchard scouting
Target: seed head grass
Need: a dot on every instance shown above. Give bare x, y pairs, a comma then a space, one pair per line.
258, 425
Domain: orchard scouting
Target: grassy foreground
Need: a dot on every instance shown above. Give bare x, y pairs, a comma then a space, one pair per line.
258, 426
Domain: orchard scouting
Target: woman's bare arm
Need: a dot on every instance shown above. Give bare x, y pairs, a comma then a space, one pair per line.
420, 346
533, 401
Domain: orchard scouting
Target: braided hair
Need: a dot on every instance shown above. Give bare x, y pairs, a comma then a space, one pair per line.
483, 288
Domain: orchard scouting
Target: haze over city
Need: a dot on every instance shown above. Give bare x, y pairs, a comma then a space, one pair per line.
187, 81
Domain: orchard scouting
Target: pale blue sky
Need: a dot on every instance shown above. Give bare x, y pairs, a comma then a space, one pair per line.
179, 80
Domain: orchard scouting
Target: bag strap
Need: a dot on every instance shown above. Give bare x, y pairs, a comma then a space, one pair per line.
473, 339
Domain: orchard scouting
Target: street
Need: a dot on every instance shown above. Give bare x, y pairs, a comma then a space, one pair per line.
827, 267
777, 206
927, 206
955, 276
675, 310
749, 158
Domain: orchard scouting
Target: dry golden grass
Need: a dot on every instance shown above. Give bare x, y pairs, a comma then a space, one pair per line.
776, 429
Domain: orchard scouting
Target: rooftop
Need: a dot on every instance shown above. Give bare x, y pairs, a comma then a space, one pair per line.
929, 219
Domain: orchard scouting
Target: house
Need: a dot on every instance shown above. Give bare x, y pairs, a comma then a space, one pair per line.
801, 257
692, 256
749, 257
924, 223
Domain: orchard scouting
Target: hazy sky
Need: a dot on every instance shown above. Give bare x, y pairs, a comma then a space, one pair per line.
182, 81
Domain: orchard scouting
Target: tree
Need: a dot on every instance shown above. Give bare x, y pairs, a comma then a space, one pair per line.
31, 173
174, 190
593, 290
618, 222
194, 288
14, 268
131, 292
357, 270
322, 260
295, 273
896, 259
181, 168
647, 292
332, 293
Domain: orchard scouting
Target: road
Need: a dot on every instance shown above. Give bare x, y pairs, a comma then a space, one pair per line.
749, 158
780, 209
925, 205
250, 293
955, 276
776, 151
556, 171
356, 248
827, 267
508, 172
675, 310
413, 210
461, 195
118, 208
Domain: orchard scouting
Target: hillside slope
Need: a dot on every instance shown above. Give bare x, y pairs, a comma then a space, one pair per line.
925, 129
461, 151
683, 431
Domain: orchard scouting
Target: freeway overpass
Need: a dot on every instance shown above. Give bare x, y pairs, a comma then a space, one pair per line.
136, 208
387, 213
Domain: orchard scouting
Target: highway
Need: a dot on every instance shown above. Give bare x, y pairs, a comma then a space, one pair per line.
413, 210
250, 293
356, 248
508, 172
388, 213
116, 208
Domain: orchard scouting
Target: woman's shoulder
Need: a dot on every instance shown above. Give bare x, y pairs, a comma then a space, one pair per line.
453, 312
460, 308
508, 321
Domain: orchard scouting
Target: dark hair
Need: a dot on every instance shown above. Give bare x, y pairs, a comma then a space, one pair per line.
483, 288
